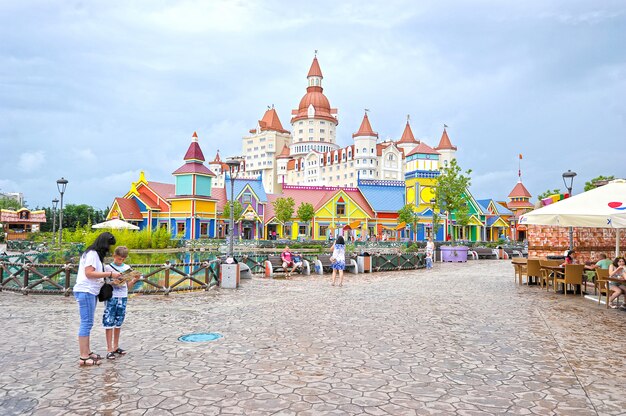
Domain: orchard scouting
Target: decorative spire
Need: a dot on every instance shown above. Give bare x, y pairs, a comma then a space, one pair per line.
407, 135
445, 143
194, 153
315, 70
366, 128
270, 121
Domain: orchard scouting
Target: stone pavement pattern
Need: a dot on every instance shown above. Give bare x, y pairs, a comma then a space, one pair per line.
462, 339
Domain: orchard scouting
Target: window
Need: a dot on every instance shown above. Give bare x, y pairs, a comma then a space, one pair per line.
310, 130
204, 228
300, 131
311, 122
322, 230
364, 150
341, 207
310, 139
302, 229
163, 225
246, 198
180, 228
322, 131
322, 122
301, 122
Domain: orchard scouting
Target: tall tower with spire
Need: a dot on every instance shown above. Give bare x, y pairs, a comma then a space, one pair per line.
314, 122
365, 150
407, 142
263, 145
445, 149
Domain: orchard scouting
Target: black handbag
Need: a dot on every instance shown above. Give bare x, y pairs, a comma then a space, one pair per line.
106, 291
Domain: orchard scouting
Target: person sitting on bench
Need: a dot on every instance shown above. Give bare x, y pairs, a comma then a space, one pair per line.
297, 261
287, 259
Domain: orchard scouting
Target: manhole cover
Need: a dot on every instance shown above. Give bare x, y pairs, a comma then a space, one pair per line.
201, 337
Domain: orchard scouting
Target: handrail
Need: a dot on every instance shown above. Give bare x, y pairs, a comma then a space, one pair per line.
59, 278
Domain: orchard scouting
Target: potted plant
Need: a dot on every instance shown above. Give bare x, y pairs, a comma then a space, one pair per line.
450, 198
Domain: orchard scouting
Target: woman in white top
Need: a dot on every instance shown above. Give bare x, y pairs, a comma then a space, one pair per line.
339, 259
617, 270
89, 280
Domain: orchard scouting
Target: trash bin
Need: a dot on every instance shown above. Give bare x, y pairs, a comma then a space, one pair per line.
229, 274
364, 263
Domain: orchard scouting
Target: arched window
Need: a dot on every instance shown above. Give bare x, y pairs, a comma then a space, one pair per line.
365, 150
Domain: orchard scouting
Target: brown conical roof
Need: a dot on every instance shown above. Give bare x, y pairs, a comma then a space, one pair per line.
194, 152
270, 121
315, 70
407, 135
519, 191
365, 129
445, 143
284, 153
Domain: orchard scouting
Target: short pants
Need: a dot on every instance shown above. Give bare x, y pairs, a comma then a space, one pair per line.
114, 313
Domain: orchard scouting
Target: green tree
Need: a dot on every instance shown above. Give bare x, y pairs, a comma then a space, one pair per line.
75, 216
408, 215
9, 203
283, 207
548, 193
305, 213
237, 211
451, 191
593, 183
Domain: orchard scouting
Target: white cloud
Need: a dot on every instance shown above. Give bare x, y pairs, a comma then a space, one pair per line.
30, 162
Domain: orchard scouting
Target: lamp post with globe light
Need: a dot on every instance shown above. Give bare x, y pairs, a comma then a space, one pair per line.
55, 203
61, 185
569, 176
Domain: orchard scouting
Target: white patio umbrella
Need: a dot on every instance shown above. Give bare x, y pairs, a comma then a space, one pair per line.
602, 207
116, 224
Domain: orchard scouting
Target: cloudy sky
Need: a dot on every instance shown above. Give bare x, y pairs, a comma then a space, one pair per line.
96, 91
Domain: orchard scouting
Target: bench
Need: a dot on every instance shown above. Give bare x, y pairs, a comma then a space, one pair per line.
323, 264
486, 253
274, 264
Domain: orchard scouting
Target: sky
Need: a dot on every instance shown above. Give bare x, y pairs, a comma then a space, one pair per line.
98, 91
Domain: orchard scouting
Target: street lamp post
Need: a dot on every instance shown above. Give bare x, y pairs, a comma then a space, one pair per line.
569, 176
55, 203
61, 185
432, 204
234, 164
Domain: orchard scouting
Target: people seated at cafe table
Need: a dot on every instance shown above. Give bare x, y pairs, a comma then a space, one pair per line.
591, 267
617, 270
570, 258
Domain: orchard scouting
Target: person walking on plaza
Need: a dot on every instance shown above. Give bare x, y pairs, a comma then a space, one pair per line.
89, 280
338, 259
430, 253
115, 308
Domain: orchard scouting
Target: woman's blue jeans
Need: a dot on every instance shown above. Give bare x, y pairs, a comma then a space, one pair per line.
87, 309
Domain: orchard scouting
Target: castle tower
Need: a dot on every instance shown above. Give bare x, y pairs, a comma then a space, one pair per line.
365, 150
262, 147
314, 122
445, 149
193, 209
282, 161
193, 178
407, 142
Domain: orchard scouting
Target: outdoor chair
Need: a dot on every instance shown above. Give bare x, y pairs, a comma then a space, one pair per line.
573, 276
547, 275
533, 270
520, 269
602, 285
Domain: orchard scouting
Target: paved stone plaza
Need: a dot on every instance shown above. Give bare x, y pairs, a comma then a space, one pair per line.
461, 339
